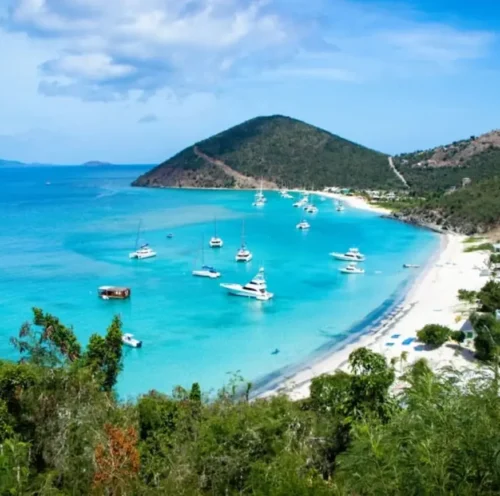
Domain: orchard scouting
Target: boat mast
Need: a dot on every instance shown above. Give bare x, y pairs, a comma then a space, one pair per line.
202, 250
137, 236
243, 233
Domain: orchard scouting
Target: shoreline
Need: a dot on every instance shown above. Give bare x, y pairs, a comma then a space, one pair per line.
430, 299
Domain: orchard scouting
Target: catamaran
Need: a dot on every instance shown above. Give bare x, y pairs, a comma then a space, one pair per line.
215, 241
256, 288
243, 254
205, 270
260, 199
141, 251
353, 255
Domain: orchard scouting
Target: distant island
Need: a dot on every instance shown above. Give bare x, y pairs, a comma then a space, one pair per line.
95, 163
11, 163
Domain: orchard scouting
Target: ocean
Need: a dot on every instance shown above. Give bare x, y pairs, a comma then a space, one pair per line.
67, 230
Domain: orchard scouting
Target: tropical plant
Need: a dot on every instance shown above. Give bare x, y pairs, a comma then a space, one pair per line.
434, 334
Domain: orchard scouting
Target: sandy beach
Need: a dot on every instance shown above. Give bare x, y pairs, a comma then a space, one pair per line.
431, 300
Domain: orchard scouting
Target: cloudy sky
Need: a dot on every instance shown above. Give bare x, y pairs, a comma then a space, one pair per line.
133, 81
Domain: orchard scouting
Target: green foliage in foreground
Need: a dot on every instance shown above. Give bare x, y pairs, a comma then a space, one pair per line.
63, 432
434, 334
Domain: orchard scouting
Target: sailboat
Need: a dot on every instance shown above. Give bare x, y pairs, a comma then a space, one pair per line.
142, 251
260, 199
215, 241
243, 254
206, 270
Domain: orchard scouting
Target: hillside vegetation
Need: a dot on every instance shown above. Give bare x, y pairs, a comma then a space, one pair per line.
278, 149
445, 167
470, 210
63, 432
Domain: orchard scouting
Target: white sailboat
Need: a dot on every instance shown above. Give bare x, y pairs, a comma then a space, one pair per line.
243, 254
256, 288
215, 241
303, 225
260, 199
141, 251
205, 270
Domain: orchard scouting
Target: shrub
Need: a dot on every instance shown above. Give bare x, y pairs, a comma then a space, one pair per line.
434, 334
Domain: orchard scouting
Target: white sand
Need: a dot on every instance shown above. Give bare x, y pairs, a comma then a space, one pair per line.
432, 300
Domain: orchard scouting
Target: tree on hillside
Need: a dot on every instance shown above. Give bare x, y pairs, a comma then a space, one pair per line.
46, 341
105, 354
434, 334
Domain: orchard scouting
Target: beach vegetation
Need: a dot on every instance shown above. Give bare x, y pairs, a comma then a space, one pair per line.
479, 247
473, 239
495, 258
467, 296
458, 336
434, 334
489, 296
487, 339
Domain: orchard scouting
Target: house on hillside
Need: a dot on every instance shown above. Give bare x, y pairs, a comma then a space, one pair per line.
496, 247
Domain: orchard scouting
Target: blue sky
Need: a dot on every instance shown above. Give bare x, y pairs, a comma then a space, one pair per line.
134, 81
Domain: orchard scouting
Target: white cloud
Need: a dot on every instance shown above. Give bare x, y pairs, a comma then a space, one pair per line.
107, 50
91, 66
440, 44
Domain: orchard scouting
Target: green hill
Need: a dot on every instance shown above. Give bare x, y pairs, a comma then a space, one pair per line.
470, 210
280, 150
445, 167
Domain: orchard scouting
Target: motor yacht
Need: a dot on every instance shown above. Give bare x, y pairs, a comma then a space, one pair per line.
353, 255
256, 288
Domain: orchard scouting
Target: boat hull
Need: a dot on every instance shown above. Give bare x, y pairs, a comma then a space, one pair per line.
206, 273
344, 258
243, 259
237, 290
142, 256
354, 272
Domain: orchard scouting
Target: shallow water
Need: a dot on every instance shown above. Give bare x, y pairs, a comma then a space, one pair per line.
61, 241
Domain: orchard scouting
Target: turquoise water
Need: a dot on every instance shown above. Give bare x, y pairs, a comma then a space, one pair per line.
61, 241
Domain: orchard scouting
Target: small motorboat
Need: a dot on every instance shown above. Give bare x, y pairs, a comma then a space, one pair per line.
206, 271
129, 340
410, 266
303, 226
352, 268
113, 293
